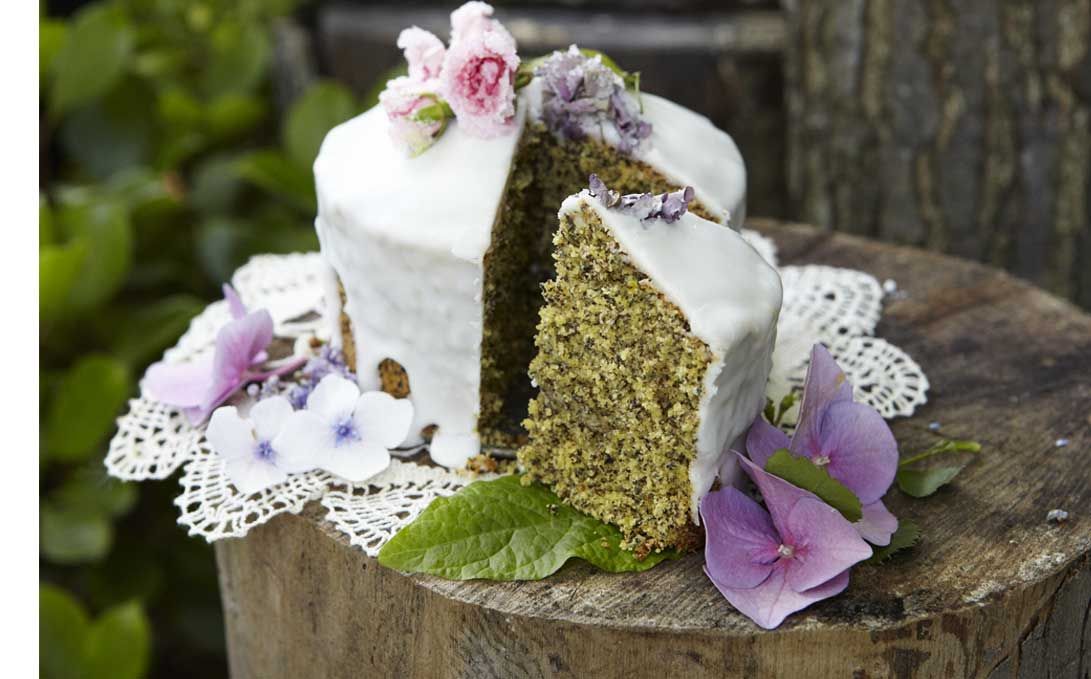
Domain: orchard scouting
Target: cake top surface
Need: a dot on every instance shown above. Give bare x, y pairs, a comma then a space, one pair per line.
446, 198
722, 285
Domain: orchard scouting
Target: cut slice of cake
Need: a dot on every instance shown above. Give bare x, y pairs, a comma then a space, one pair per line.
653, 351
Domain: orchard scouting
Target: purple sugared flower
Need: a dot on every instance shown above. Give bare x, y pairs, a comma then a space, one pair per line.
668, 207
850, 440
580, 94
769, 563
198, 387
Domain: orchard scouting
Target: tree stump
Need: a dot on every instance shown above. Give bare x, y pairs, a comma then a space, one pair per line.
960, 126
993, 590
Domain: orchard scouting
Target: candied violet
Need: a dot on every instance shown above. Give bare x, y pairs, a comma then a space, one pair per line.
668, 207
581, 93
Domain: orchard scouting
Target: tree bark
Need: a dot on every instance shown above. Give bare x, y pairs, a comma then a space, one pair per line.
962, 126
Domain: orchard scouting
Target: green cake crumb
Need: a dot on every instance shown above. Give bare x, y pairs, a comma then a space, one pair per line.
613, 428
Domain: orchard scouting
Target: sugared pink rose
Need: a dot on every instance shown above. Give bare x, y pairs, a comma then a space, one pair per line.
415, 114
424, 52
478, 76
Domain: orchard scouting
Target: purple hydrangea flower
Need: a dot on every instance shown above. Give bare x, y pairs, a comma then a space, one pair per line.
668, 207
851, 440
198, 387
770, 563
581, 93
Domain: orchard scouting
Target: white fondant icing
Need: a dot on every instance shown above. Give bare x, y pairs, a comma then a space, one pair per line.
731, 298
406, 236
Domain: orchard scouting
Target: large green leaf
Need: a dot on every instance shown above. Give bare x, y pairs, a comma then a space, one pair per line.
103, 227
62, 629
86, 404
923, 482
92, 58
72, 537
504, 530
58, 268
51, 37
321, 107
240, 54
118, 644
801, 472
281, 176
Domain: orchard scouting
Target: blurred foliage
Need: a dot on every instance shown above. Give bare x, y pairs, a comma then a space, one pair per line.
164, 166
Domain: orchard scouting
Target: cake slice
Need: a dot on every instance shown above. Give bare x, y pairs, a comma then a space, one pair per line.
653, 351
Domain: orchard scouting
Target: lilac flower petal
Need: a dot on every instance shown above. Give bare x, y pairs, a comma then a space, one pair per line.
251, 475
861, 450
383, 419
825, 384
333, 398
355, 462
877, 524
772, 601
300, 441
740, 540
268, 416
230, 436
779, 495
238, 343
179, 384
234, 303
825, 544
763, 440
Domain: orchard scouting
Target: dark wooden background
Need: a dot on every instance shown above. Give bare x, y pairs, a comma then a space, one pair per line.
960, 126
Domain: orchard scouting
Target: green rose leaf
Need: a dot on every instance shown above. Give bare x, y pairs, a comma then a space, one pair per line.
118, 644
907, 535
73, 537
923, 482
503, 530
321, 107
87, 402
800, 471
62, 628
92, 58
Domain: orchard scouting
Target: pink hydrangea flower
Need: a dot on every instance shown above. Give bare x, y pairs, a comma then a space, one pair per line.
417, 116
478, 75
424, 52
851, 440
770, 564
198, 387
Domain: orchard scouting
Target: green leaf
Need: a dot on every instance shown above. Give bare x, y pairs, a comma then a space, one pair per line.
51, 38
281, 176
240, 54
58, 268
92, 59
146, 331
104, 229
801, 472
907, 535
83, 412
118, 644
71, 537
46, 231
62, 629
320, 108
923, 482
111, 133
504, 530
232, 114
89, 490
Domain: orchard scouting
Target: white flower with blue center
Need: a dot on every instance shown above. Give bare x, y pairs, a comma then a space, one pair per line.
344, 432
254, 458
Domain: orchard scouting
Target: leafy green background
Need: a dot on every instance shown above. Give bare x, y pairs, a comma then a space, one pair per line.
165, 164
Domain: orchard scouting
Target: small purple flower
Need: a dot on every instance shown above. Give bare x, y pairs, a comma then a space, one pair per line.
668, 207
851, 440
770, 564
198, 387
581, 93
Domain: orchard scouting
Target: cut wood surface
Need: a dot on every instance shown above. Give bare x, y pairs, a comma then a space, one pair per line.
993, 590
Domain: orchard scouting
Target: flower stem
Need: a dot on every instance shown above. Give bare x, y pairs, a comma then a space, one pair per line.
951, 446
288, 367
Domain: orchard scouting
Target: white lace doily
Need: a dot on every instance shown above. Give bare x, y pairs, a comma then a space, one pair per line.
837, 307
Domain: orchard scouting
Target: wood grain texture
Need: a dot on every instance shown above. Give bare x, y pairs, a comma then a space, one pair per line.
960, 126
993, 590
